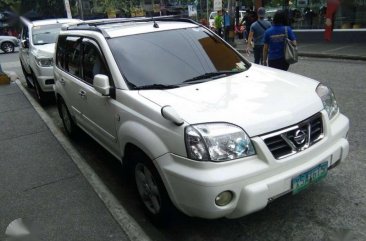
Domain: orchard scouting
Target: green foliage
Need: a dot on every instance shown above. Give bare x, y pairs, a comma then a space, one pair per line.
13, 4
107, 5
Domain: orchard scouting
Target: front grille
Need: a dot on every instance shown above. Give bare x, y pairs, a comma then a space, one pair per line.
296, 138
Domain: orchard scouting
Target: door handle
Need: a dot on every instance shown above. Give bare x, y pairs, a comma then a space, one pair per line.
62, 81
82, 93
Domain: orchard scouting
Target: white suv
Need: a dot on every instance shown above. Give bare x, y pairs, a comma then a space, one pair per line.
201, 127
36, 52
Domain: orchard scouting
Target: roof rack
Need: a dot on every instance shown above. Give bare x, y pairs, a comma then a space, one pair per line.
139, 19
92, 25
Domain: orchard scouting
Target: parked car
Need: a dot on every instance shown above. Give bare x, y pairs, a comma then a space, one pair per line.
213, 15
36, 52
199, 126
8, 43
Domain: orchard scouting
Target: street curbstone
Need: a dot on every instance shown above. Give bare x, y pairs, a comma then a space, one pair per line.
4, 78
323, 55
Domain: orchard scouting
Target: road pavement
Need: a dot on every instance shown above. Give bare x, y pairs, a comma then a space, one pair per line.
39, 181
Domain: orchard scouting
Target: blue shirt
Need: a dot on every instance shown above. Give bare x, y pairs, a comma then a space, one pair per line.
258, 31
275, 38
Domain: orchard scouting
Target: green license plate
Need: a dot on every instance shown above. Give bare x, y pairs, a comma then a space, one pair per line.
305, 179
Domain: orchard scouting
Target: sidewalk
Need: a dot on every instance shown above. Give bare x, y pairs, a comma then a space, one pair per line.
352, 51
41, 184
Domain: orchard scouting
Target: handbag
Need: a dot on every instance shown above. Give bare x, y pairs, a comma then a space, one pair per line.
291, 55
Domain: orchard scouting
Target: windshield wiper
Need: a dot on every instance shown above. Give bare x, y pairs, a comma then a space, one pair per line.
213, 75
156, 86
42, 43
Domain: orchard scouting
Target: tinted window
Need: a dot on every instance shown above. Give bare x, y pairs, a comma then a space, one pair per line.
45, 34
73, 55
25, 33
61, 52
172, 57
92, 61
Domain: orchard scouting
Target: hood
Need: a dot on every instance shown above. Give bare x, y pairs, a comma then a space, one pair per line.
259, 100
44, 51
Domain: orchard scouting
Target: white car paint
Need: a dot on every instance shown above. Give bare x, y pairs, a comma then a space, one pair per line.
28, 56
260, 100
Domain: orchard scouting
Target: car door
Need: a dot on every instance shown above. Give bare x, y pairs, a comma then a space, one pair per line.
98, 111
68, 74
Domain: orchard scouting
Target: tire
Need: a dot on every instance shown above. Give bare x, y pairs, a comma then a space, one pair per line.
41, 96
26, 76
151, 191
8, 47
67, 121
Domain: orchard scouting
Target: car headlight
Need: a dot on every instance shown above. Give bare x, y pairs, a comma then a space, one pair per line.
217, 142
44, 62
329, 101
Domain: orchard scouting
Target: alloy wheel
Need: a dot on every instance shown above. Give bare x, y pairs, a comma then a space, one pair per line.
7, 47
147, 188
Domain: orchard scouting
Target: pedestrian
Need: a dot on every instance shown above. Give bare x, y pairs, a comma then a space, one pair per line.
274, 42
256, 34
248, 19
218, 23
226, 25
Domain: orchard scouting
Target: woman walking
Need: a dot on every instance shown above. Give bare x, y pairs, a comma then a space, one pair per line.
274, 42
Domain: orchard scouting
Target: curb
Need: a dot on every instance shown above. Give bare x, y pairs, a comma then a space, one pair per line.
323, 55
332, 56
4, 78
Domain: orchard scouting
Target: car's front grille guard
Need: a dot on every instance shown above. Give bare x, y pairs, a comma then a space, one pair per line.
279, 139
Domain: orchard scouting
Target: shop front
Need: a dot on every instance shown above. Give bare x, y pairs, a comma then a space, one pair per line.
311, 14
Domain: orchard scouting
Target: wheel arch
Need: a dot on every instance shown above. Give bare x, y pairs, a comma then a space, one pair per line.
134, 136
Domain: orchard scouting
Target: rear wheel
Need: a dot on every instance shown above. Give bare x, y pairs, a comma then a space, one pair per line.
67, 121
7, 47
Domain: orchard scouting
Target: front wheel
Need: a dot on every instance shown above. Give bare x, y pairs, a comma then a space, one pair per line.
151, 191
7, 47
41, 95
67, 121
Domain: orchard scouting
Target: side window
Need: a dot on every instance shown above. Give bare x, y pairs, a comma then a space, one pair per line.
93, 63
25, 32
61, 52
73, 56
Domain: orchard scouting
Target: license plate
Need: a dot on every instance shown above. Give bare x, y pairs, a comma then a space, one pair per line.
305, 179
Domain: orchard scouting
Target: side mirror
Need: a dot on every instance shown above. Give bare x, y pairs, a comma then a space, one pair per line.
101, 84
25, 43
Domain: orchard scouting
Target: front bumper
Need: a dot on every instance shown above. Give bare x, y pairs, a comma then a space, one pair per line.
193, 186
44, 77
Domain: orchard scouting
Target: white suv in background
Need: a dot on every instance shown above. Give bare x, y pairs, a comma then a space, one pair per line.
36, 52
196, 123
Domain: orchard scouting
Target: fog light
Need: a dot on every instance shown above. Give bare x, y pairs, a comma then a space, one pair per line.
224, 198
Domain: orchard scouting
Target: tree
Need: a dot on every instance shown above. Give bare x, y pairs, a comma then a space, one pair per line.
44, 8
12, 5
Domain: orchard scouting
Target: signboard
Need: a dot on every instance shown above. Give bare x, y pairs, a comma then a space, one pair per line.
192, 10
217, 5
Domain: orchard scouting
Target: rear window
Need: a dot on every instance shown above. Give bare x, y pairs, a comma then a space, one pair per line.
46, 34
172, 57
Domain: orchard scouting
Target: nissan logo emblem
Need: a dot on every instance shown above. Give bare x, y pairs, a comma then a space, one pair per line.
300, 137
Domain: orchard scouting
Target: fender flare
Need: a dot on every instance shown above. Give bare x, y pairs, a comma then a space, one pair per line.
142, 137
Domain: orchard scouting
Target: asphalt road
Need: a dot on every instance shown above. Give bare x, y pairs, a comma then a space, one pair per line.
334, 209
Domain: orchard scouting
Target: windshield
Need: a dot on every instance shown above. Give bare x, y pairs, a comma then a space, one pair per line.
174, 58
46, 34
213, 15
